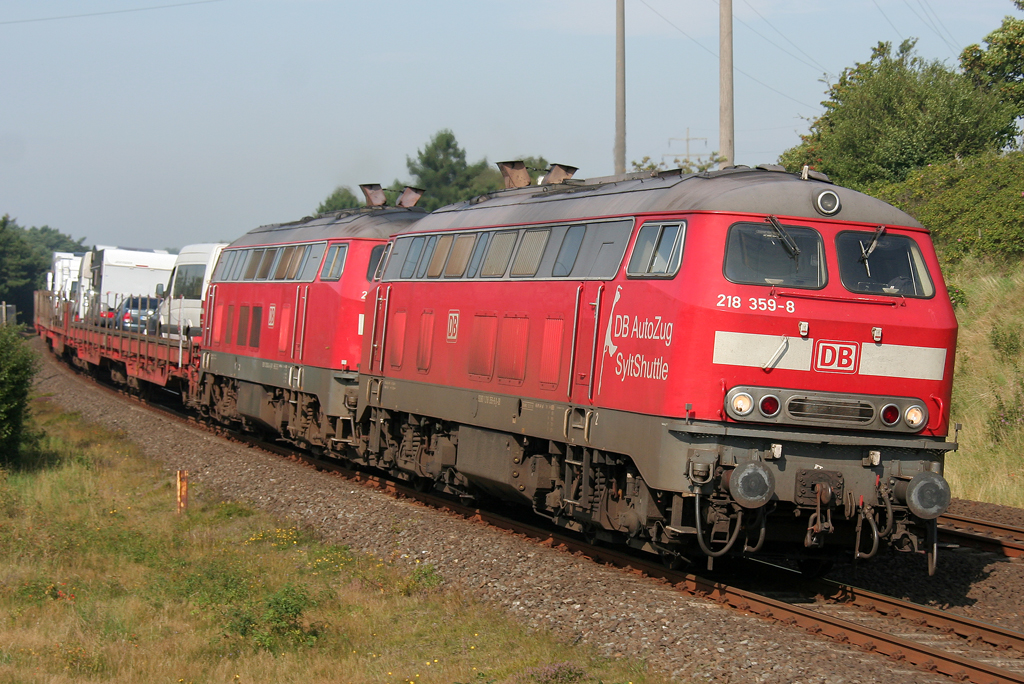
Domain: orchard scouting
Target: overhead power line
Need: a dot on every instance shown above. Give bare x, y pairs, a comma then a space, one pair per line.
99, 14
715, 55
937, 19
888, 19
784, 37
926, 20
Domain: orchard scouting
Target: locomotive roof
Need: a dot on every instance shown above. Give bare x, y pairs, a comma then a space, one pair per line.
735, 189
363, 222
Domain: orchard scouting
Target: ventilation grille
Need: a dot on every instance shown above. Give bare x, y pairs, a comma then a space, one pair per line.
831, 410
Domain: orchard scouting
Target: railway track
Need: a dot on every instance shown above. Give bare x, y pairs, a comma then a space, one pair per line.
1005, 540
936, 641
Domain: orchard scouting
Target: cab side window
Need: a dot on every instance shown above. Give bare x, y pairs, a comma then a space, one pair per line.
658, 250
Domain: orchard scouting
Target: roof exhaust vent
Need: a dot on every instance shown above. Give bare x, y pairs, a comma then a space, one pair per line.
374, 195
515, 174
409, 197
558, 173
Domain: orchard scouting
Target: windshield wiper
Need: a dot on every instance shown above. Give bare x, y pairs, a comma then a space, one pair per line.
865, 253
787, 241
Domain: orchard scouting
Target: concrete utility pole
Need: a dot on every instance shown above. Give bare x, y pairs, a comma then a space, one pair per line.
726, 125
620, 87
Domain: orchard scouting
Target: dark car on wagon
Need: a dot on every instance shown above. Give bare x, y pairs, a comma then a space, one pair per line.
134, 313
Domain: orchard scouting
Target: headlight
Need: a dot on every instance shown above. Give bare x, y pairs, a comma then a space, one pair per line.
915, 417
742, 403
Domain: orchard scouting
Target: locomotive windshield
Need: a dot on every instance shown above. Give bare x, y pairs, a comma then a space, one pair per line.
756, 254
882, 264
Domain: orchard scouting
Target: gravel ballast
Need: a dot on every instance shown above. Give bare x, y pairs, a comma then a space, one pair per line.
580, 601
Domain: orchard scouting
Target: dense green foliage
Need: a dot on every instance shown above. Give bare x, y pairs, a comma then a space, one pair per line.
973, 207
897, 112
17, 367
341, 198
1000, 65
442, 171
25, 257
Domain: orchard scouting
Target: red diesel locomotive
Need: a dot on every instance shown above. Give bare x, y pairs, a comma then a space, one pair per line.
732, 361
283, 319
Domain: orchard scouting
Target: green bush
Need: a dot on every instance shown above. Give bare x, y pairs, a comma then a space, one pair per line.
18, 365
973, 206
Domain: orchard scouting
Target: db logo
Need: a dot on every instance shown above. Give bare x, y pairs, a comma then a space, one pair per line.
835, 357
453, 325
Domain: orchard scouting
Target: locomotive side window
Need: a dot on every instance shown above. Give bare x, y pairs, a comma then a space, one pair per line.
266, 264
459, 258
312, 263
385, 258
757, 254
239, 264
444, 244
658, 250
498, 255
254, 263
531, 249
428, 251
282, 265
296, 262
413, 256
242, 264
568, 252
224, 265
478, 254
602, 250
334, 263
882, 264
375, 255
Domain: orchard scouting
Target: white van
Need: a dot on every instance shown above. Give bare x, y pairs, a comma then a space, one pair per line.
182, 306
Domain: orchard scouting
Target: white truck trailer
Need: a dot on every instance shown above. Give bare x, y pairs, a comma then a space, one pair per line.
119, 273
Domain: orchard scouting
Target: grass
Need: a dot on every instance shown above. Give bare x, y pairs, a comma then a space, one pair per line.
100, 581
988, 388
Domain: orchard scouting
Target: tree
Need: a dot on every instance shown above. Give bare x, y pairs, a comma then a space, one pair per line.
897, 112
441, 170
47, 240
698, 165
972, 207
341, 198
1000, 65
19, 266
25, 257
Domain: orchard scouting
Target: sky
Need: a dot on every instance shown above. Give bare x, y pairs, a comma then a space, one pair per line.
161, 123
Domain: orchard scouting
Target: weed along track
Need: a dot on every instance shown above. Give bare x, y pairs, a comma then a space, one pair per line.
675, 621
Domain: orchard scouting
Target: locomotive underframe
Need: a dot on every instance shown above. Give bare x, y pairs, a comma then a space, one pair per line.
647, 480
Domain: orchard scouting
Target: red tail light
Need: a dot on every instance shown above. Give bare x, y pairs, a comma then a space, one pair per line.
890, 414
769, 405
